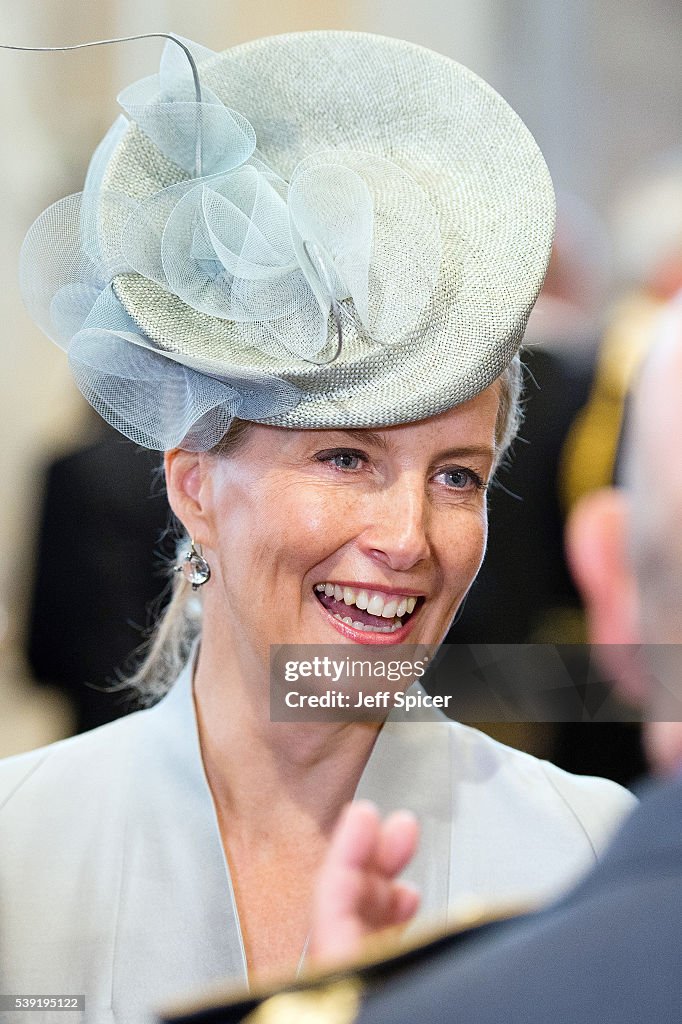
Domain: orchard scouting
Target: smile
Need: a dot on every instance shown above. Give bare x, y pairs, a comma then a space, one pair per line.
369, 611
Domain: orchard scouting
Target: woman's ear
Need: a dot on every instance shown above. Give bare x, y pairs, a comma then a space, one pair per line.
186, 491
598, 554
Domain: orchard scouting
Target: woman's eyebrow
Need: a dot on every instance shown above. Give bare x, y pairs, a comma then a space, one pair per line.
366, 437
484, 451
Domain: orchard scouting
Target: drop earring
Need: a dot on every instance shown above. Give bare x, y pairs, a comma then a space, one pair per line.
194, 566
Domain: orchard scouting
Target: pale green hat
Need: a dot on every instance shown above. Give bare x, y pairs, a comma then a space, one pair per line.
346, 231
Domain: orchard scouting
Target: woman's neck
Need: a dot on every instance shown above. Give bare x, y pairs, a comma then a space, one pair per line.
262, 771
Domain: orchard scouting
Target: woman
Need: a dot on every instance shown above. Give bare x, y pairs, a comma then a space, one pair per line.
312, 301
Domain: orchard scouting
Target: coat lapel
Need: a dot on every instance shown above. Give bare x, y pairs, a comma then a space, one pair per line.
178, 921
409, 769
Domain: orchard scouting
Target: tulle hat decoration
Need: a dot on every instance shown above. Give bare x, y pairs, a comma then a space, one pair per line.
324, 229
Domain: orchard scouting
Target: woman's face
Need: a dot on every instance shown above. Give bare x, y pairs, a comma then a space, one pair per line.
347, 536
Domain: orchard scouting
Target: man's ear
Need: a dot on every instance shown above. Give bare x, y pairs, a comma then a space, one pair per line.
597, 549
596, 544
186, 491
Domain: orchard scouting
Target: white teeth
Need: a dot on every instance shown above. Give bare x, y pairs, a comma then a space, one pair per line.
372, 601
365, 628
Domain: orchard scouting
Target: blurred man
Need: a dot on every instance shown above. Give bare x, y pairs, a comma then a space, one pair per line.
610, 950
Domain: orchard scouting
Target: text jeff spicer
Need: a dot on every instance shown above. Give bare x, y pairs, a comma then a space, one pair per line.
383, 699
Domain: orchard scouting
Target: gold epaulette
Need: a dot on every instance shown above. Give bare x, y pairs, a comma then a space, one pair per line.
335, 997
589, 456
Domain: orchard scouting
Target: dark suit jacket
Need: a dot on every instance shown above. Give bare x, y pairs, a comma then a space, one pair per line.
610, 952
100, 565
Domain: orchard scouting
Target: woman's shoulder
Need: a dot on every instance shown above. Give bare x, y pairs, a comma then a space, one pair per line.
596, 806
68, 768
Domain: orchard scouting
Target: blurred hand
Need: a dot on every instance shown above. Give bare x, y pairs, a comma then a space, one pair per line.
357, 891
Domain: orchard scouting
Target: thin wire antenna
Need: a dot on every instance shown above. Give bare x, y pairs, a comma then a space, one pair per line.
314, 255
198, 158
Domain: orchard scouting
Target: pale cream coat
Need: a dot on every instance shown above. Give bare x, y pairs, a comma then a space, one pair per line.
113, 881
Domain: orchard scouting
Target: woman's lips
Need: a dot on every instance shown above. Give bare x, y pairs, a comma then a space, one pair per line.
382, 631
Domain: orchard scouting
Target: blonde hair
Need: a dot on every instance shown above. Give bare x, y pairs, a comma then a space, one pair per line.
166, 651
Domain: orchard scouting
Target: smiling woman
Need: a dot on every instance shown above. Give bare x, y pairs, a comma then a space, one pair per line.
181, 625
302, 268
408, 493
400, 519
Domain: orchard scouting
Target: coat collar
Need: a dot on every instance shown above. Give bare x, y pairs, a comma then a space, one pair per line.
405, 770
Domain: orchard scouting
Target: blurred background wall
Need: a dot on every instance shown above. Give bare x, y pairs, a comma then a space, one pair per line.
597, 81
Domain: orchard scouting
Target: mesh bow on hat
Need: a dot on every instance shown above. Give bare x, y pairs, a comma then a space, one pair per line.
342, 230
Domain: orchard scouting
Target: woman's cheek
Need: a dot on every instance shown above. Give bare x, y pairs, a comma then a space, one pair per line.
463, 546
334, 516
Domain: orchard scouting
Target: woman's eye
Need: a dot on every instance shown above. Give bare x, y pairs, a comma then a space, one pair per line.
347, 460
461, 479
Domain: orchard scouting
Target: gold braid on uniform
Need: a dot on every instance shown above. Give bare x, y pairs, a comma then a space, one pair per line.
589, 456
336, 1003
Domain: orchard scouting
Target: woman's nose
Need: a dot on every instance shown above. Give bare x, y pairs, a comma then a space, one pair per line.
398, 534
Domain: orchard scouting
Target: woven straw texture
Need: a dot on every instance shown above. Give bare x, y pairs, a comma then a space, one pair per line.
472, 157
